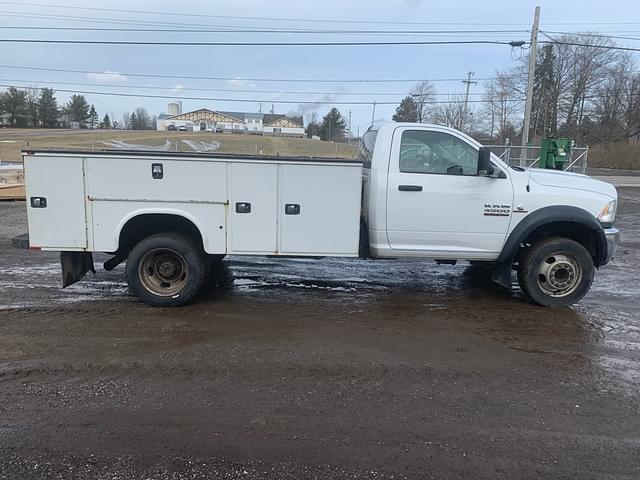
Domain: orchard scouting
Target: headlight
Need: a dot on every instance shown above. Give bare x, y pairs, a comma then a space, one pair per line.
608, 213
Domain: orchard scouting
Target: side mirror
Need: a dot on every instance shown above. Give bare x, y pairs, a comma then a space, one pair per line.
484, 161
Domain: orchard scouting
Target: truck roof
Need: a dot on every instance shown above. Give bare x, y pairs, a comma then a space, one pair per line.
188, 155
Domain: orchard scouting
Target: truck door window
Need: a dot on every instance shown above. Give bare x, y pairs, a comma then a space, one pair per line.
423, 151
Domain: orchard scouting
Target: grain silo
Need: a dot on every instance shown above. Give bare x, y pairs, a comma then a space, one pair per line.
174, 108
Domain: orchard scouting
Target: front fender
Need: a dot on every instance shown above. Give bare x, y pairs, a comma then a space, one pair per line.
537, 219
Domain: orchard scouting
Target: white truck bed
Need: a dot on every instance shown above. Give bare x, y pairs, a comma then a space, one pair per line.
240, 204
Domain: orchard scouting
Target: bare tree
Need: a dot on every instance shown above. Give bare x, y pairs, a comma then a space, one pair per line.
501, 106
32, 94
126, 121
608, 105
424, 94
589, 66
451, 113
631, 113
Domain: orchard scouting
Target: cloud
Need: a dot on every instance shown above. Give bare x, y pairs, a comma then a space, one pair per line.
237, 82
107, 77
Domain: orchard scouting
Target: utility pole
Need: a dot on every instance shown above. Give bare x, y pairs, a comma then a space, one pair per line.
373, 114
465, 112
532, 70
349, 137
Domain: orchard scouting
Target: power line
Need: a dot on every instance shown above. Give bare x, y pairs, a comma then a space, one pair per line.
592, 34
231, 17
243, 100
281, 19
240, 78
590, 45
173, 24
178, 89
255, 44
234, 29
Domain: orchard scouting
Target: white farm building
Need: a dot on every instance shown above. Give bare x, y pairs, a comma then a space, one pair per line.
205, 120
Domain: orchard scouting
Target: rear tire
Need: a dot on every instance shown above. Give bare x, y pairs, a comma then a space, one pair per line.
556, 272
166, 269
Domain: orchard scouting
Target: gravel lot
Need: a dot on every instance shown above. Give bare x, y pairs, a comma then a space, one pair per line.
318, 369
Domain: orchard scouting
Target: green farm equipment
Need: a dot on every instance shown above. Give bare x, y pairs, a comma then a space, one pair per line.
554, 153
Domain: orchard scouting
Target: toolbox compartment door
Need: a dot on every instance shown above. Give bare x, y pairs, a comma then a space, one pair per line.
56, 206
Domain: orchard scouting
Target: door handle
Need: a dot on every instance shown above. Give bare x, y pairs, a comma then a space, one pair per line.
410, 188
292, 209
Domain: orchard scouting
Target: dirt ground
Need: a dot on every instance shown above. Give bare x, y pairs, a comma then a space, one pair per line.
314, 369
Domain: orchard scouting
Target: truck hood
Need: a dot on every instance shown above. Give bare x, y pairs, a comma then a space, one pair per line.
575, 181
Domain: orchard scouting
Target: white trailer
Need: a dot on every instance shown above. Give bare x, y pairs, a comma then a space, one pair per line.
417, 190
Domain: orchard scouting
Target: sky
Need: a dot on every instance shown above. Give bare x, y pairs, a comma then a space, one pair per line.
243, 68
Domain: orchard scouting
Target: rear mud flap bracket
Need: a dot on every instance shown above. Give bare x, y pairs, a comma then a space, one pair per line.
74, 266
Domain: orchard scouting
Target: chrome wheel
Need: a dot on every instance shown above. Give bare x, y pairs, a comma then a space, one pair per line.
559, 274
163, 272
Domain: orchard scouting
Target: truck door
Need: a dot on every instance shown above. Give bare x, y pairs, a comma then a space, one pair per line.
437, 204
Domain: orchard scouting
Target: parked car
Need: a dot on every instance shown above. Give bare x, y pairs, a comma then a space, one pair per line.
182, 128
420, 191
172, 128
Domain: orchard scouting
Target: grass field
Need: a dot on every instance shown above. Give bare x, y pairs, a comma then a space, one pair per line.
12, 141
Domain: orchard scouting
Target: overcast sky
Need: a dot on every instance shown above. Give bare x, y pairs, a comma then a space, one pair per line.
238, 63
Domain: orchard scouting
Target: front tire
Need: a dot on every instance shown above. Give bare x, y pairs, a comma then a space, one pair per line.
166, 269
556, 272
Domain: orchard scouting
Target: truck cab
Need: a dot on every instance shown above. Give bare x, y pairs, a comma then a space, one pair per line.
433, 192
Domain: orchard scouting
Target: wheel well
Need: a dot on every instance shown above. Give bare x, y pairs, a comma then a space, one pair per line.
578, 232
142, 226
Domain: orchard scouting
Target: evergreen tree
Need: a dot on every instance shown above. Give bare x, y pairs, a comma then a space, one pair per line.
333, 126
407, 111
48, 108
93, 117
133, 122
313, 128
106, 122
78, 109
546, 93
14, 106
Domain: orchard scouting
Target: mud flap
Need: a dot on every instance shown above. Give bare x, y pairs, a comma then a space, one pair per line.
74, 266
502, 274
21, 241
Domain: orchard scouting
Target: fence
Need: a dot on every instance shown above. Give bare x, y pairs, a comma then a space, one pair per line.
529, 156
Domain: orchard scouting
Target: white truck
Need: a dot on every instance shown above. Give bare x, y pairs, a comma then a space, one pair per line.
416, 190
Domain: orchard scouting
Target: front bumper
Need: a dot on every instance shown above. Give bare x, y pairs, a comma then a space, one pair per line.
613, 239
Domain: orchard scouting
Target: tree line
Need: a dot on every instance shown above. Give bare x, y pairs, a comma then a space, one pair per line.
591, 95
38, 108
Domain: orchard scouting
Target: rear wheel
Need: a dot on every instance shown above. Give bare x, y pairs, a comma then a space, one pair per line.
556, 272
166, 269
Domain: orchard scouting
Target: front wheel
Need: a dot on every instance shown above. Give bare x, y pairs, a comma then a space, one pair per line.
166, 269
556, 272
